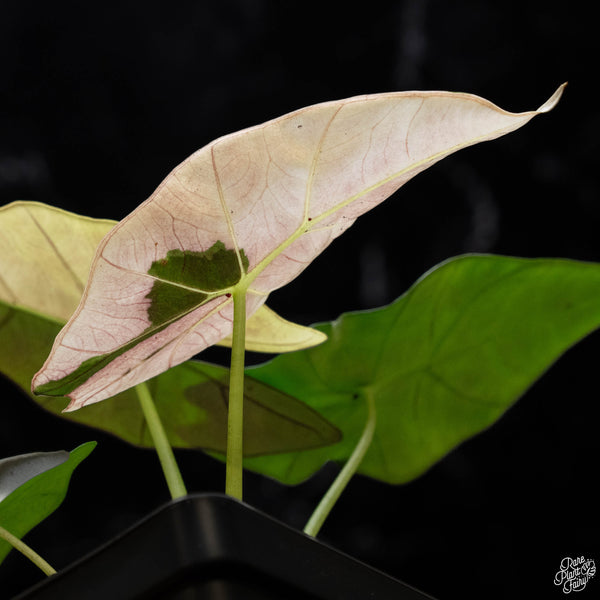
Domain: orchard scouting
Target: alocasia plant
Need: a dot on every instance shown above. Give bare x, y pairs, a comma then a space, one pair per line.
244, 216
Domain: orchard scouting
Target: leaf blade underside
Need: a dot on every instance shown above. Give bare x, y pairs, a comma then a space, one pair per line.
276, 195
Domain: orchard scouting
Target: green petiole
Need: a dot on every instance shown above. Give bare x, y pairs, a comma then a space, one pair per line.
24, 549
341, 481
161, 442
235, 415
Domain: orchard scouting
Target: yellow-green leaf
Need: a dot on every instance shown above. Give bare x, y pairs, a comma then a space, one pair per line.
283, 335
45, 255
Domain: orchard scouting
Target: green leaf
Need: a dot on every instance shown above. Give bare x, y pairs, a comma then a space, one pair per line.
38, 290
443, 362
273, 421
191, 399
244, 216
40, 494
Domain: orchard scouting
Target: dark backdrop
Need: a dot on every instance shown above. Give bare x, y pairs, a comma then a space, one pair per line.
99, 101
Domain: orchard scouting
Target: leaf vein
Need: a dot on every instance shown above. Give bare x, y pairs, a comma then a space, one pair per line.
226, 212
80, 285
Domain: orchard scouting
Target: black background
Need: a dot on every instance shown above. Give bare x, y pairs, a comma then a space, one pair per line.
99, 101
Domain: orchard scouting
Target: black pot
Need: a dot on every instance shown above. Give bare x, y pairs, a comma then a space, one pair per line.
209, 547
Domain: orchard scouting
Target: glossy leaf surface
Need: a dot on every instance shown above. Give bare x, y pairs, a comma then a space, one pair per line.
40, 495
190, 399
443, 362
249, 211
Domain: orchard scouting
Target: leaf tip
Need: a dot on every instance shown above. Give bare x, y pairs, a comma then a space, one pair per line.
72, 406
86, 448
318, 337
553, 100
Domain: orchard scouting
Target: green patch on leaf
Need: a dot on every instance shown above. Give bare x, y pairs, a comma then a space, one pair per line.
213, 270
169, 302
186, 278
62, 387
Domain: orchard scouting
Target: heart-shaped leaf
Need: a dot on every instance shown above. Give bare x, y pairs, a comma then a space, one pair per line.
442, 363
36, 485
248, 213
39, 288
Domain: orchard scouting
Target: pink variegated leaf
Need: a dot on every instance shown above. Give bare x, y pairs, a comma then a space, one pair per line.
249, 212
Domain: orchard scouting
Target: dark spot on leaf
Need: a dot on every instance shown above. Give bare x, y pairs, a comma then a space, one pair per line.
185, 277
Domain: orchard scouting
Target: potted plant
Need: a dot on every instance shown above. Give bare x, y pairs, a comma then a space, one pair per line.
388, 393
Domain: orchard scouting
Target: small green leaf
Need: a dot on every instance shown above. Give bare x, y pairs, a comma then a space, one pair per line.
443, 362
41, 494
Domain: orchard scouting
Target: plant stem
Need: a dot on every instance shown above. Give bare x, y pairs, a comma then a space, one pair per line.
161, 442
24, 549
341, 481
235, 415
